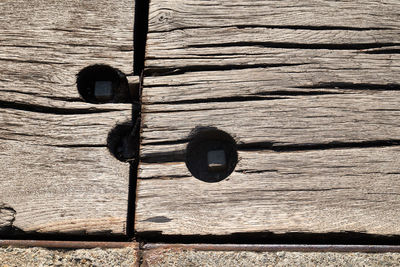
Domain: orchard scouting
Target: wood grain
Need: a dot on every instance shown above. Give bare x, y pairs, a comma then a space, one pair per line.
310, 93
56, 172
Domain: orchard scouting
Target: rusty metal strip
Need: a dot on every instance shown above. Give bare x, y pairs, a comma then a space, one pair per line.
65, 244
274, 248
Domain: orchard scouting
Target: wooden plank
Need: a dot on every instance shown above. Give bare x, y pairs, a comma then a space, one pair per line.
56, 172
308, 91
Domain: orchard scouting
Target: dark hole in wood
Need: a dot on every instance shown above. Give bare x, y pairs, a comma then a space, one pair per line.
100, 83
211, 155
122, 142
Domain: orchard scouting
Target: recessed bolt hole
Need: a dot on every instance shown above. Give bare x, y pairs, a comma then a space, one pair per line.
211, 155
99, 84
122, 142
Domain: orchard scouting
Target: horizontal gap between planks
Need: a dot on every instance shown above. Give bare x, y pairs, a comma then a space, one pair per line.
355, 239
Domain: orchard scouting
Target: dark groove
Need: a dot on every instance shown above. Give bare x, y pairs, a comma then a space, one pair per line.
165, 157
167, 143
134, 138
170, 85
354, 86
289, 27
383, 51
196, 68
328, 46
256, 146
169, 177
61, 98
33, 61
19, 92
313, 28
24, 46
80, 145
51, 110
65, 98
332, 238
179, 110
219, 99
298, 93
140, 35
255, 171
139, 45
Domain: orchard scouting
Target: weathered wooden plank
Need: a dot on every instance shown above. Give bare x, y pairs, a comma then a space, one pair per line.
56, 172
314, 191
309, 92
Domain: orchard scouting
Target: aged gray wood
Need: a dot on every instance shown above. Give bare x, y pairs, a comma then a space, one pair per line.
56, 172
309, 91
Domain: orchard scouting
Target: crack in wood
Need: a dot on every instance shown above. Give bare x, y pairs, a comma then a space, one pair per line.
354, 86
383, 51
257, 146
313, 27
163, 71
289, 45
220, 99
288, 27
51, 110
33, 61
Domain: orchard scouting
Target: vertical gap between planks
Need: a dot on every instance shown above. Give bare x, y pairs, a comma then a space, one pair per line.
139, 44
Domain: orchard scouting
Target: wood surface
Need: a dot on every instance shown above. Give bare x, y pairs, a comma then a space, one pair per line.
56, 174
309, 90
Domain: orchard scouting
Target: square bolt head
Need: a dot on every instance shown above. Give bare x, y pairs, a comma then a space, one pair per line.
216, 160
103, 90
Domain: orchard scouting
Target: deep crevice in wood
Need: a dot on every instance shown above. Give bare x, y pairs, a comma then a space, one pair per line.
33, 61
162, 71
80, 145
355, 86
256, 146
167, 143
383, 51
289, 27
166, 157
348, 238
220, 99
288, 45
314, 27
51, 110
298, 93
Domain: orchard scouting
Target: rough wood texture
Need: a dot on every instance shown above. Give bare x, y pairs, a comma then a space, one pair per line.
56, 173
189, 257
309, 91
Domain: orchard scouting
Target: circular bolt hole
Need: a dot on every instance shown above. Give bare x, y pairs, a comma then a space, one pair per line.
211, 155
102, 84
122, 142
